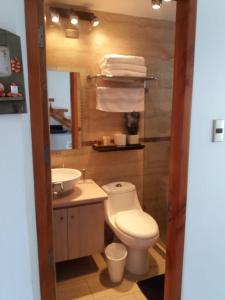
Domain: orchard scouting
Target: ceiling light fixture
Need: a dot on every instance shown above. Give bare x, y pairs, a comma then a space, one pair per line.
74, 19
72, 16
156, 4
167, 0
95, 21
54, 17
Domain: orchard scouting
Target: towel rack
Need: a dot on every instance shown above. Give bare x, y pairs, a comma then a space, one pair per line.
123, 79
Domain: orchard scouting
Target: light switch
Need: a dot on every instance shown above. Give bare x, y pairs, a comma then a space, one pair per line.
218, 130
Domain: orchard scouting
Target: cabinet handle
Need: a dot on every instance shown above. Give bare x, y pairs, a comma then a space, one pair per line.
72, 217
61, 218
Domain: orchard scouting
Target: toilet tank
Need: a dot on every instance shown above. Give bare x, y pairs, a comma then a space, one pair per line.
121, 196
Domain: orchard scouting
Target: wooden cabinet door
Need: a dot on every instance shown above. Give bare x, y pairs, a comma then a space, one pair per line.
60, 234
85, 230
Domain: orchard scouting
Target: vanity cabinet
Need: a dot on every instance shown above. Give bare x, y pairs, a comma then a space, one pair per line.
78, 231
60, 234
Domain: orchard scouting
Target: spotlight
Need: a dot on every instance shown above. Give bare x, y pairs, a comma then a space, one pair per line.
55, 17
156, 4
74, 19
167, 0
95, 21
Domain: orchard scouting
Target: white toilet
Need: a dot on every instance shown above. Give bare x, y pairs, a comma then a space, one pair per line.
135, 228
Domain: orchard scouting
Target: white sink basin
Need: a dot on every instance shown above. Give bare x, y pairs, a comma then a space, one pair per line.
64, 180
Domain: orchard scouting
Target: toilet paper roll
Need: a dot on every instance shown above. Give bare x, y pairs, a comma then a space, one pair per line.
120, 139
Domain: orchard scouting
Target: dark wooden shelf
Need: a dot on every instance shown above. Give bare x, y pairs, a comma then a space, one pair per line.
5, 99
12, 105
117, 148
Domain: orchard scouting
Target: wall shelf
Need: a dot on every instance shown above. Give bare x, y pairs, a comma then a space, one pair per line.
12, 105
111, 148
5, 99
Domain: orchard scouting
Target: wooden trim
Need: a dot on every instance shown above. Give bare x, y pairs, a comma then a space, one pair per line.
181, 113
34, 14
74, 110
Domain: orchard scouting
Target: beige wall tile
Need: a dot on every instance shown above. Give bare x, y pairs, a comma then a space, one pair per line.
152, 39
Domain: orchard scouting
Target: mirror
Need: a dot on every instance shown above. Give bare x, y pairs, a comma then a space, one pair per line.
63, 93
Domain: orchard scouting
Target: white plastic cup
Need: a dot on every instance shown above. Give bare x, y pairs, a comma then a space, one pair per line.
120, 139
133, 139
116, 254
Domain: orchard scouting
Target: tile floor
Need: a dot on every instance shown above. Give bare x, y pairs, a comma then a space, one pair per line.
87, 279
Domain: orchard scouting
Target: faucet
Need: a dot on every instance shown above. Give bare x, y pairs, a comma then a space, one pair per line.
56, 193
83, 175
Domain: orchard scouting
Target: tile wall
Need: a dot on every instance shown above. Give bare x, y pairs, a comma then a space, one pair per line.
153, 39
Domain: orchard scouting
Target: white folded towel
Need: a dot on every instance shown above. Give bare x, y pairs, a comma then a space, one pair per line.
123, 73
122, 67
120, 99
123, 59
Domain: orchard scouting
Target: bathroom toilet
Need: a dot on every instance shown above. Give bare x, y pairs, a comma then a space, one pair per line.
134, 228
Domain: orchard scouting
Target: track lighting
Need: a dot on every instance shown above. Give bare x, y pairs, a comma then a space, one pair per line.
74, 19
54, 17
72, 16
95, 21
156, 4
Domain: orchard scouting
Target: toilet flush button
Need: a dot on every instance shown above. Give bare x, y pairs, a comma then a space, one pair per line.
218, 130
118, 185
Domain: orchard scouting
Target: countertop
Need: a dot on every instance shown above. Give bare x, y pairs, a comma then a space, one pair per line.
84, 193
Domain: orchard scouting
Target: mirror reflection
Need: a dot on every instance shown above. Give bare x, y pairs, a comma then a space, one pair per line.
63, 96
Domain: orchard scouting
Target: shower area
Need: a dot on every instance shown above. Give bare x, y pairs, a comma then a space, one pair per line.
157, 123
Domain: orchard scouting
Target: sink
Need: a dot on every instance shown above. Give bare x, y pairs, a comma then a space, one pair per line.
64, 180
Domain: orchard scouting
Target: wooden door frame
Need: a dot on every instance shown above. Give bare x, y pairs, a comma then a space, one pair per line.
74, 104
180, 135
181, 113
34, 18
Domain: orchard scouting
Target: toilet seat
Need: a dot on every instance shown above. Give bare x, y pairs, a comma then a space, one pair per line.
137, 224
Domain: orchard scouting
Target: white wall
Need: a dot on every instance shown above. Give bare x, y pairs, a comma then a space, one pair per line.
204, 261
18, 246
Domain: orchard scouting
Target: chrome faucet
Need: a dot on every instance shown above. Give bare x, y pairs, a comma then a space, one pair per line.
56, 193
83, 175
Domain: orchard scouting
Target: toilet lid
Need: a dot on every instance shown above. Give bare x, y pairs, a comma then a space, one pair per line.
137, 224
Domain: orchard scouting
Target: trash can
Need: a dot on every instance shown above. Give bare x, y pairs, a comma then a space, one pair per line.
116, 254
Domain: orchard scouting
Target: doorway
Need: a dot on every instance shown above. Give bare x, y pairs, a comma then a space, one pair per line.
184, 53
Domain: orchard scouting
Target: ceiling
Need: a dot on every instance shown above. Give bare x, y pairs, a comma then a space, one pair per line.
139, 8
